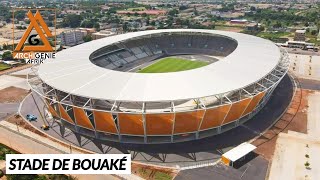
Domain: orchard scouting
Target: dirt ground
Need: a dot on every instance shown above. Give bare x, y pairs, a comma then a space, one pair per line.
296, 154
150, 172
294, 119
12, 94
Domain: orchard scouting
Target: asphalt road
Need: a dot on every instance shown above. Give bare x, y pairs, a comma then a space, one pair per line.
255, 169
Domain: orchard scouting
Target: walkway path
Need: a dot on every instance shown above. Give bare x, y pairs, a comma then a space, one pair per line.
294, 151
314, 115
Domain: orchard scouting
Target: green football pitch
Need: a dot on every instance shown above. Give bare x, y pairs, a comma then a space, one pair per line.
171, 64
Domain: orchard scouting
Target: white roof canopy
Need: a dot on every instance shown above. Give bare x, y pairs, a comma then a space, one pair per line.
239, 151
73, 72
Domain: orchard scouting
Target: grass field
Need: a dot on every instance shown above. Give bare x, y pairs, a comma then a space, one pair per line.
137, 9
4, 66
171, 64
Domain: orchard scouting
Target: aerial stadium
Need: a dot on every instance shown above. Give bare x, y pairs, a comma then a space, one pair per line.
160, 86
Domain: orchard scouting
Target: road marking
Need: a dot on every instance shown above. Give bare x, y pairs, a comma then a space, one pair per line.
256, 132
245, 171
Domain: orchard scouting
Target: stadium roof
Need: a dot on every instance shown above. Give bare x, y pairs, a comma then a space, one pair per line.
74, 73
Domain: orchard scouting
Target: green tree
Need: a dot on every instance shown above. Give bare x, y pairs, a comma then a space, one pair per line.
7, 55
87, 38
96, 26
20, 15
306, 24
51, 18
112, 10
5, 46
72, 20
22, 176
314, 32
277, 24
87, 24
183, 7
50, 24
173, 12
195, 12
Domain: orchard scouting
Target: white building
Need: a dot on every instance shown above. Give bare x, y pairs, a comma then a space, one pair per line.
72, 38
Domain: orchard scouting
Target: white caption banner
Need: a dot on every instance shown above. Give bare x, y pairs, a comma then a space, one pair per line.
68, 163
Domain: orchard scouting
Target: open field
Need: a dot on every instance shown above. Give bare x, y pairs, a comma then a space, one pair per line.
4, 66
137, 9
273, 35
171, 64
229, 28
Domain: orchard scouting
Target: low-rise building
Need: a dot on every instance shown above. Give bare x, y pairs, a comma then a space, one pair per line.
298, 44
148, 12
102, 34
238, 21
300, 35
72, 37
252, 27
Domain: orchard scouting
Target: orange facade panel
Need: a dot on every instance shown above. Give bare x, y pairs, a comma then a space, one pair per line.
131, 124
82, 118
64, 114
159, 124
214, 117
254, 102
188, 121
104, 122
52, 111
236, 110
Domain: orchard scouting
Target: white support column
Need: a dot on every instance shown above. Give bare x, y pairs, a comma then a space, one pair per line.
65, 98
269, 80
118, 127
219, 128
174, 119
144, 121
205, 110
86, 103
49, 91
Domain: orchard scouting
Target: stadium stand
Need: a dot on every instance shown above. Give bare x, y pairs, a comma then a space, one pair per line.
150, 48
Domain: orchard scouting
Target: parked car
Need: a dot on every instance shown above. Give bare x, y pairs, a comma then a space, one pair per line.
31, 117
45, 127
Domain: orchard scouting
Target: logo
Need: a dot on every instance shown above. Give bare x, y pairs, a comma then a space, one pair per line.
37, 49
